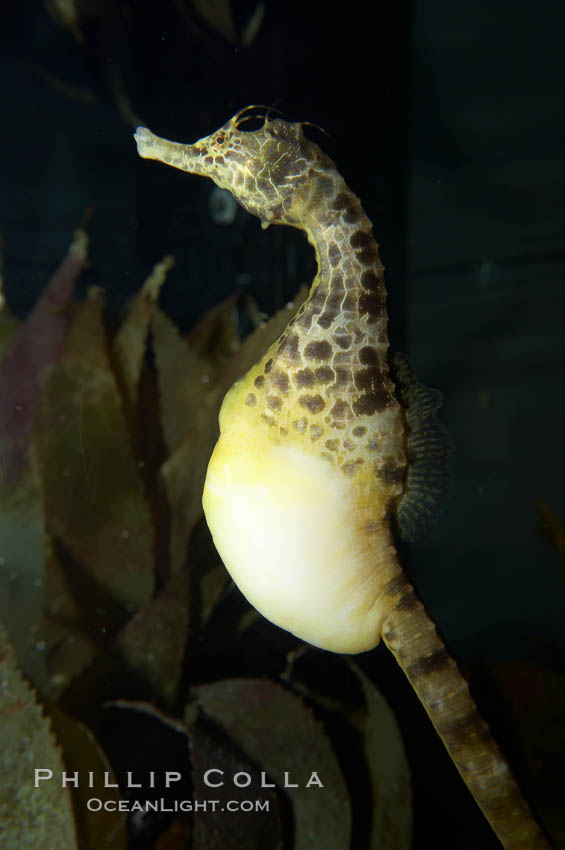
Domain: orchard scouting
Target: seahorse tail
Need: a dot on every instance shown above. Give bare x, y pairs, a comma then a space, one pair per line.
411, 636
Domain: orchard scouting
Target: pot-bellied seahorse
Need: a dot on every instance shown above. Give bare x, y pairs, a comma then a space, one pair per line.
325, 446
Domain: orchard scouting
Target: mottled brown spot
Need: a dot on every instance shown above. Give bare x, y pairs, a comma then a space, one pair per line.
341, 201
369, 403
371, 304
368, 356
438, 660
325, 185
347, 444
369, 255
408, 602
336, 283
270, 420
391, 474
320, 350
352, 467
359, 431
280, 381
341, 410
304, 378
300, 424
274, 402
334, 254
360, 239
259, 381
326, 456
323, 375
313, 403
289, 348
325, 320
372, 444
333, 303
220, 160
305, 321
332, 445
349, 304
367, 379
370, 280
353, 213
349, 205
396, 585
251, 400
268, 366
208, 160
343, 340
318, 299
316, 432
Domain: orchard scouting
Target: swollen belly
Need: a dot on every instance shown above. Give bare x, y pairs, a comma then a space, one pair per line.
290, 532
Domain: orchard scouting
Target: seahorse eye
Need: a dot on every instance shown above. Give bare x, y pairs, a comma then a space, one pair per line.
220, 139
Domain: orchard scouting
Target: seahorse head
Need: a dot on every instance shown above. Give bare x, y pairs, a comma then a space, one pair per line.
274, 172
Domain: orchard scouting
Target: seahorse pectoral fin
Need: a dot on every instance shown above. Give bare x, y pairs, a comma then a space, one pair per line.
429, 448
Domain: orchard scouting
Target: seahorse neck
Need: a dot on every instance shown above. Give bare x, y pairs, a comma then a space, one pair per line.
347, 300
327, 376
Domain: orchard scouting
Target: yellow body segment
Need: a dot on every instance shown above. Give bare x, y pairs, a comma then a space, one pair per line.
289, 528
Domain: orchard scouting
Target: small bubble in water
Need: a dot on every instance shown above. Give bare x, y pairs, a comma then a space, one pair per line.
124, 534
37, 582
40, 645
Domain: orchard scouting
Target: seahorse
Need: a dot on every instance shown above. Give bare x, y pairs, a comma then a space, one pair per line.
327, 448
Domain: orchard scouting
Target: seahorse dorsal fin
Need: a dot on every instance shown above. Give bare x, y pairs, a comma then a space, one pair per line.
428, 447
